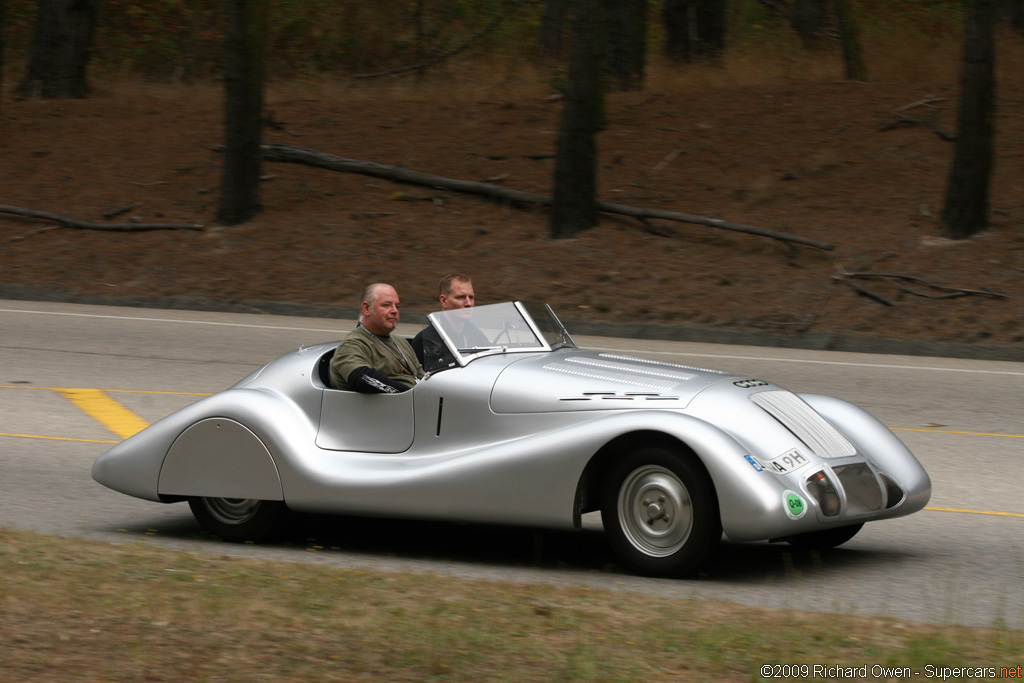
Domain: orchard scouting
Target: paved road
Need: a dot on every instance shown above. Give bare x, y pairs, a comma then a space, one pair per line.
73, 377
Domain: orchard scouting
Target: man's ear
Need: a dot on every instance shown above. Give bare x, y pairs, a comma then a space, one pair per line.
444, 300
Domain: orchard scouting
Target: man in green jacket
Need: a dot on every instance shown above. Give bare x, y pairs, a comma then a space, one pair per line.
371, 359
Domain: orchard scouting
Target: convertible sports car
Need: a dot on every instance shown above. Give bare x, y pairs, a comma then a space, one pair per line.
529, 430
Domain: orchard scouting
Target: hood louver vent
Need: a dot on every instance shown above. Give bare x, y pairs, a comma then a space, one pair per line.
807, 425
651, 375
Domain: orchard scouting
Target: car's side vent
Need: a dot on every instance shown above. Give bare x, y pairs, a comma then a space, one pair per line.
806, 424
613, 396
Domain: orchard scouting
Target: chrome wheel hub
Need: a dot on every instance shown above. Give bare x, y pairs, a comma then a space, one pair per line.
655, 510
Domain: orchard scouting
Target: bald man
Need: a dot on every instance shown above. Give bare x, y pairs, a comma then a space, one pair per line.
372, 360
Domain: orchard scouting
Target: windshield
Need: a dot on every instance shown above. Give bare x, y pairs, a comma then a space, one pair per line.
467, 333
549, 325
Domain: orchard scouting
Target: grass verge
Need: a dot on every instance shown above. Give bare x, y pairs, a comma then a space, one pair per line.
76, 610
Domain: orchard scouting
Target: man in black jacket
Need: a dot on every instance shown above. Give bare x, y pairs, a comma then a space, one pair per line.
454, 291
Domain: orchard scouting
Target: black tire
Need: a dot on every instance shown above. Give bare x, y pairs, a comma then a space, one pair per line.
239, 519
826, 538
660, 512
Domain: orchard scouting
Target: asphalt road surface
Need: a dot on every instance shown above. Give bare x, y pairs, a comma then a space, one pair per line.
76, 379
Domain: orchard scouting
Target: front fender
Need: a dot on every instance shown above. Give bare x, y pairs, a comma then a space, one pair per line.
750, 501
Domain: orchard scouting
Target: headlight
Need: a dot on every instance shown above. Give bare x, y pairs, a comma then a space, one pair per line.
821, 488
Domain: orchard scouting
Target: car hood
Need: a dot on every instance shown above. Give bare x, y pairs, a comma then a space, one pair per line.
572, 379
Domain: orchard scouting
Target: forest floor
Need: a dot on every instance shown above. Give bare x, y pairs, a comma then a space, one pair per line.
818, 160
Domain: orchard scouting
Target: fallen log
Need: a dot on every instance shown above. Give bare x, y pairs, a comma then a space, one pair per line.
318, 159
90, 225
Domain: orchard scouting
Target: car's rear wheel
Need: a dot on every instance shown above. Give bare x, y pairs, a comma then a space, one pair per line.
826, 538
659, 512
239, 519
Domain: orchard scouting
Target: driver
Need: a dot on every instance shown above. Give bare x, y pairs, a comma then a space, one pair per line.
454, 291
371, 359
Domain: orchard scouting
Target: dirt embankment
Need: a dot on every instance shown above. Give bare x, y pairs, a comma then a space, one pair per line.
809, 159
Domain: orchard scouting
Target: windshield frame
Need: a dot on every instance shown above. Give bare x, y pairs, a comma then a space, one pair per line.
516, 319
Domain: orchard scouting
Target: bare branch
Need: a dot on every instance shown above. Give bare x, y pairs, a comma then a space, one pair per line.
897, 279
67, 222
952, 292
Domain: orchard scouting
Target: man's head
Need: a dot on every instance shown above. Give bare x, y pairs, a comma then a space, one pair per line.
378, 309
456, 291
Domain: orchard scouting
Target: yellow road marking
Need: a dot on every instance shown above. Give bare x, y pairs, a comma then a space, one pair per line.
97, 405
116, 391
57, 438
947, 431
106, 411
977, 512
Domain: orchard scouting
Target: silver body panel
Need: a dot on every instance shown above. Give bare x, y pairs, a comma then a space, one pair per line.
506, 434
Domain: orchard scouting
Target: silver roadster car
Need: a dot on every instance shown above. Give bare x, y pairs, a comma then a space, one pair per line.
529, 430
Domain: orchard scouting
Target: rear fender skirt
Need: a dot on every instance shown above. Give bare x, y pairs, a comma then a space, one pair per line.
221, 458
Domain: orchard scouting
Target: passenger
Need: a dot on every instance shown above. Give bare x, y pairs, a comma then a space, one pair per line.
454, 291
371, 359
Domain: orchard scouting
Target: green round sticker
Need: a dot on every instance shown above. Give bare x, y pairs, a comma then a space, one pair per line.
794, 503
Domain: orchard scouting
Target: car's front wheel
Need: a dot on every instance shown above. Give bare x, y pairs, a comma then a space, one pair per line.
659, 512
239, 519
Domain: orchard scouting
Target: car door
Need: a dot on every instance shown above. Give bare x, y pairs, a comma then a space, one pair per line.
366, 423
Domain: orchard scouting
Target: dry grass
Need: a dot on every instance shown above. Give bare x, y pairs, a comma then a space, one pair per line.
75, 610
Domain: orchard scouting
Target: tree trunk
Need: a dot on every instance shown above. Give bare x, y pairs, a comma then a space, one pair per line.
693, 28
1015, 10
3, 33
243, 109
627, 43
966, 209
60, 49
849, 32
711, 18
550, 45
810, 19
575, 195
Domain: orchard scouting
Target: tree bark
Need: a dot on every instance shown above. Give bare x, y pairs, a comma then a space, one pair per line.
243, 109
60, 49
849, 33
1015, 11
810, 19
711, 19
693, 28
627, 43
3, 34
551, 26
575, 195
677, 30
965, 212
